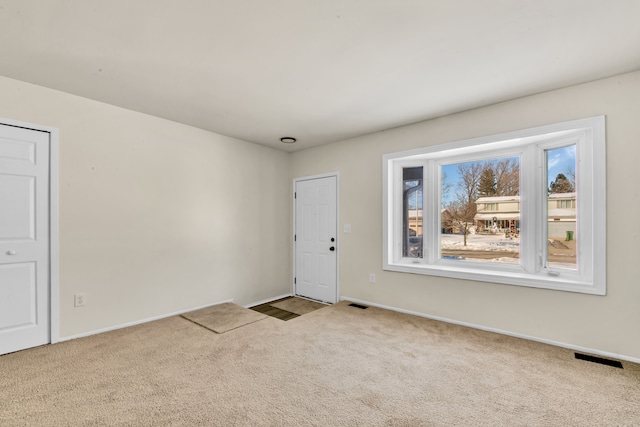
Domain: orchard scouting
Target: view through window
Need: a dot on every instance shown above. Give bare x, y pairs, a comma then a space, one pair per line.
480, 218
412, 212
562, 215
526, 208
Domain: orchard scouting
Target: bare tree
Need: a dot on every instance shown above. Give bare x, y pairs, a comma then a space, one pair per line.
571, 176
507, 172
459, 213
446, 188
470, 174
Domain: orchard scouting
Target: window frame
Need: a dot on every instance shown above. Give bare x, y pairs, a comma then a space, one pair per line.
530, 145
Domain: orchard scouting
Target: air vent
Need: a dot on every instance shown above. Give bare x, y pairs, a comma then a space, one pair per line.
600, 360
362, 307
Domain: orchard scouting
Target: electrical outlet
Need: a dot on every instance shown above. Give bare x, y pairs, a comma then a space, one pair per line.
79, 300
372, 278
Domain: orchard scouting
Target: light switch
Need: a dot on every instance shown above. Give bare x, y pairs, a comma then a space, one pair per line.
347, 228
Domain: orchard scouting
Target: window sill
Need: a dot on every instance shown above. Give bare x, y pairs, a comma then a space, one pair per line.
510, 276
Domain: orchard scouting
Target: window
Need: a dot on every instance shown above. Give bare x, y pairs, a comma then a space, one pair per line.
566, 204
473, 232
412, 212
524, 208
562, 213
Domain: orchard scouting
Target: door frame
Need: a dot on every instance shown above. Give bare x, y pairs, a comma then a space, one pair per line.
54, 232
338, 239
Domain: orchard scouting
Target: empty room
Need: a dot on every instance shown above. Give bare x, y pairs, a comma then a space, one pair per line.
319, 213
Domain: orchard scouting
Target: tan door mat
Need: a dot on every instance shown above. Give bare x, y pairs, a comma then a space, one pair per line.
225, 317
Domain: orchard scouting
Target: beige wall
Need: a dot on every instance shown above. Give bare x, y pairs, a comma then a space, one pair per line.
155, 216
605, 323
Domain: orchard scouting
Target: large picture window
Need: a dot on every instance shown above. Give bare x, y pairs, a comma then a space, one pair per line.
524, 208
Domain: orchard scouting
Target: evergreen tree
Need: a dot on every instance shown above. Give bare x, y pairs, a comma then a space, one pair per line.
561, 185
487, 185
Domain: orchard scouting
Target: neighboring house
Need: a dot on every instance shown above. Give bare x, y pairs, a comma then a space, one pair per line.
413, 240
498, 214
414, 221
561, 209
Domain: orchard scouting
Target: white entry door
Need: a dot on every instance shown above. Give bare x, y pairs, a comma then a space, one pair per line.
316, 274
24, 238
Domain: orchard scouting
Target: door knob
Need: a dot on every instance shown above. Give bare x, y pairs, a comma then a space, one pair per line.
11, 252
332, 248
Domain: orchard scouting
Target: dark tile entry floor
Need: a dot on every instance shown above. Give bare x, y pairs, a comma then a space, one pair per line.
269, 310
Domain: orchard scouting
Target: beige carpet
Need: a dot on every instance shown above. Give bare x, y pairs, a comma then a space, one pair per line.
225, 317
298, 305
339, 366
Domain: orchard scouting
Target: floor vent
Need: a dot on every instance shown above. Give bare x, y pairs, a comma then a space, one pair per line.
599, 360
362, 307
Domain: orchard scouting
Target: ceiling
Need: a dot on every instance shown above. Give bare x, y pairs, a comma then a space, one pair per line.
318, 70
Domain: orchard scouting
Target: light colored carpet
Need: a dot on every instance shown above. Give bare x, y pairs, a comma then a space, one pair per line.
339, 366
225, 317
298, 305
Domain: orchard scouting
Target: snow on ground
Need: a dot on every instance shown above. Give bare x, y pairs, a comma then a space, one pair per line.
480, 242
489, 243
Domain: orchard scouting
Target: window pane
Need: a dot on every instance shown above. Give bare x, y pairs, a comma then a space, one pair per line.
561, 208
480, 219
412, 212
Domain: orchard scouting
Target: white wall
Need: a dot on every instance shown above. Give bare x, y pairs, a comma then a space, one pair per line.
605, 323
155, 216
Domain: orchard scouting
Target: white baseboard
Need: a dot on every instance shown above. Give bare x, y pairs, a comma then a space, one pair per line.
139, 322
498, 331
265, 301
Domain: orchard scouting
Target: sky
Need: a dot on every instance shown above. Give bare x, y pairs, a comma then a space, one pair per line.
559, 160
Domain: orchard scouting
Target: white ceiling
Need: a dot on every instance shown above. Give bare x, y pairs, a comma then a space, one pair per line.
318, 70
